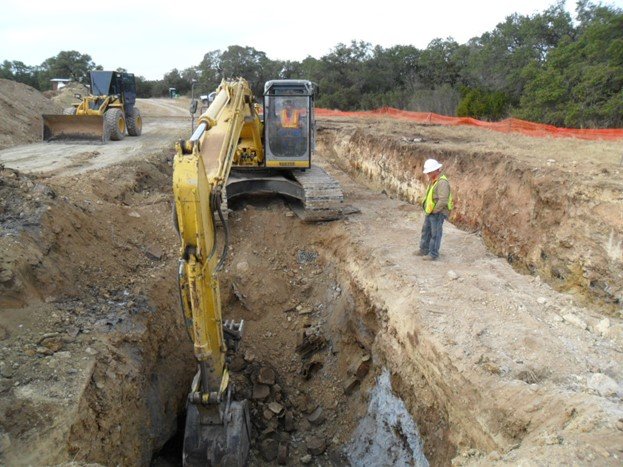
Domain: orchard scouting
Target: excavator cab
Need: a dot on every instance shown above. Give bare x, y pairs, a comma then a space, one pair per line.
279, 159
288, 123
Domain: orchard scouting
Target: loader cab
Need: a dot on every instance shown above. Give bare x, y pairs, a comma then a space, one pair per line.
289, 124
111, 83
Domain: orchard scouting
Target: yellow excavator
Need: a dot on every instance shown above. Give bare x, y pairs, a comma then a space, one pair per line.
238, 148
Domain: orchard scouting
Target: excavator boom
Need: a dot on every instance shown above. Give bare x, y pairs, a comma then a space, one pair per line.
217, 428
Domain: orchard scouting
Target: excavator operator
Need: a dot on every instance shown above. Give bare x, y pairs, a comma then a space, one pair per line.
290, 116
291, 138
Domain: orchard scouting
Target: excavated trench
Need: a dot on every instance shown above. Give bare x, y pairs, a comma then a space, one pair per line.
91, 296
559, 220
308, 362
334, 365
336, 297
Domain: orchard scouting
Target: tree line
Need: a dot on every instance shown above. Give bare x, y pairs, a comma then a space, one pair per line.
547, 67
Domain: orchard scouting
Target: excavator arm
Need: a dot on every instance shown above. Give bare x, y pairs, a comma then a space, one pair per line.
229, 134
217, 429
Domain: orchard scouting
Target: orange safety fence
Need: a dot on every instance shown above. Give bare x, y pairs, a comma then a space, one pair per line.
510, 125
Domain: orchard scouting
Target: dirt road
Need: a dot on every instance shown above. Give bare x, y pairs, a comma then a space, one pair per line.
508, 350
165, 121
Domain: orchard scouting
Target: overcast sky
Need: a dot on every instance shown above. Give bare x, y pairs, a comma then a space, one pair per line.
150, 38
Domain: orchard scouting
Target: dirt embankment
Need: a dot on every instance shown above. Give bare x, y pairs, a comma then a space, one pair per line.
552, 214
495, 366
92, 356
20, 113
298, 327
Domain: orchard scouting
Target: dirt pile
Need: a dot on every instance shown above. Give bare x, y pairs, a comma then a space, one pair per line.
65, 96
20, 113
24, 202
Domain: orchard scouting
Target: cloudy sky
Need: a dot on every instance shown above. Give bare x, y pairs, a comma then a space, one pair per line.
150, 38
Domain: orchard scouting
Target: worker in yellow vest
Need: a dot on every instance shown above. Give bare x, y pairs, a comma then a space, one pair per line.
290, 116
437, 206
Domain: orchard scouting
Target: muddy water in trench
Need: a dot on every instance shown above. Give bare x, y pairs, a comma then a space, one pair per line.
306, 363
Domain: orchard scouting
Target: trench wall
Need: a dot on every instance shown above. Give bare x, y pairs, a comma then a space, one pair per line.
93, 264
542, 220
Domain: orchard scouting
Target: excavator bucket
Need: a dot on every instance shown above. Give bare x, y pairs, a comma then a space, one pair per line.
221, 444
74, 128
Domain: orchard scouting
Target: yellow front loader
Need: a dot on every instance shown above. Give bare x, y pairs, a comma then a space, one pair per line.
106, 114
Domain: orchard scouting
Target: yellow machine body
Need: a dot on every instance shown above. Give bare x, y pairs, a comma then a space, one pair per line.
230, 135
105, 114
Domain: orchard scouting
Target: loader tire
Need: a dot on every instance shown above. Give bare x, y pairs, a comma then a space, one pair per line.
69, 111
114, 124
134, 122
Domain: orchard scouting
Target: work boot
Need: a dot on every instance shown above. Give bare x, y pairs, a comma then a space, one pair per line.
429, 258
420, 253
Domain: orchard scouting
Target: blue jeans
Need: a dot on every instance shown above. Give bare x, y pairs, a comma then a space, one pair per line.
431, 234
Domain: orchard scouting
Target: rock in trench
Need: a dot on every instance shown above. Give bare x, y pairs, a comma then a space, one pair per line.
316, 446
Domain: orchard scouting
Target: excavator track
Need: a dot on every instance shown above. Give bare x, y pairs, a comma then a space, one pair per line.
318, 194
323, 195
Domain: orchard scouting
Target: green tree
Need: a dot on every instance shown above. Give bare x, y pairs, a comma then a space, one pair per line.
506, 58
248, 63
20, 72
144, 88
483, 105
174, 79
581, 85
342, 76
67, 64
310, 69
189, 75
209, 70
395, 76
437, 64
290, 70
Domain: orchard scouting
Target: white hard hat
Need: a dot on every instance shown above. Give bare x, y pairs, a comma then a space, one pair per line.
431, 165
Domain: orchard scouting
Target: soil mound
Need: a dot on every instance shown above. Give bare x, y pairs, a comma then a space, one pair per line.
21, 107
65, 97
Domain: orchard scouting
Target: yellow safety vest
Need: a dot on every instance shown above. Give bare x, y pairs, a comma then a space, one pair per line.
290, 119
429, 203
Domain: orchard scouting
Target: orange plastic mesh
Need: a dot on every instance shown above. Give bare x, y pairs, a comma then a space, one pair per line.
510, 125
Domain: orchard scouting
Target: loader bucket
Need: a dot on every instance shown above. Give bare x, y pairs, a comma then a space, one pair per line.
74, 128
